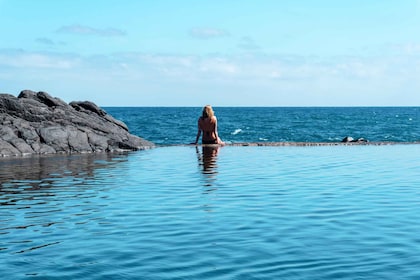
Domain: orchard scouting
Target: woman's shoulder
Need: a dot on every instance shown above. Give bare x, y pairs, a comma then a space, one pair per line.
201, 120
209, 119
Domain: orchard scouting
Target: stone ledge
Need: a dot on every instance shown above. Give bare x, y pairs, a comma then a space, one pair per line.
304, 144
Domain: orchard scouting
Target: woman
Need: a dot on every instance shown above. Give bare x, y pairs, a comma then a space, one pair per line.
207, 124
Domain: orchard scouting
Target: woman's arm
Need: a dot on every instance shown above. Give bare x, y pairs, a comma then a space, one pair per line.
215, 128
198, 133
198, 136
219, 141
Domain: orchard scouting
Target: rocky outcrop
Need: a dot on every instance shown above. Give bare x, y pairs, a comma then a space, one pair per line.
36, 123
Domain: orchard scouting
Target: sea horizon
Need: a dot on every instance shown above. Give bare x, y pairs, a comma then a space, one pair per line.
178, 125
245, 106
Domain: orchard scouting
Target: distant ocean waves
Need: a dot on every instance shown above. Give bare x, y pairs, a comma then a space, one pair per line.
178, 125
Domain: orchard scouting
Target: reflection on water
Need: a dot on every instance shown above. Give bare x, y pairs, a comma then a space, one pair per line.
38, 167
207, 161
22, 175
43, 198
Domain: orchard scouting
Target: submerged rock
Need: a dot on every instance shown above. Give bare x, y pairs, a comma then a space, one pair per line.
36, 123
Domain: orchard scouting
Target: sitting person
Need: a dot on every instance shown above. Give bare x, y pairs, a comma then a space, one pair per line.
207, 124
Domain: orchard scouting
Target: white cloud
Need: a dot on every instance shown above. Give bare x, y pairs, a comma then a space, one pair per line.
264, 78
87, 30
45, 41
35, 60
247, 43
49, 42
409, 48
208, 33
218, 66
257, 67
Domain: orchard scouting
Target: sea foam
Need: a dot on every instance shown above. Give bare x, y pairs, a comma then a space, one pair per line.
237, 131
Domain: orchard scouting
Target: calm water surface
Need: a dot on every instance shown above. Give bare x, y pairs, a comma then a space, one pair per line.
339, 212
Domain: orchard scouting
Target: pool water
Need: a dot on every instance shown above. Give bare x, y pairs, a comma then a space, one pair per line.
332, 212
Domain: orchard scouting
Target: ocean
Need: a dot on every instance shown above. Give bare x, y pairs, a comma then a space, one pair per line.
232, 212
178, 125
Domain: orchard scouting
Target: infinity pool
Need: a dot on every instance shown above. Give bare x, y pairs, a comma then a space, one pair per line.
335, 212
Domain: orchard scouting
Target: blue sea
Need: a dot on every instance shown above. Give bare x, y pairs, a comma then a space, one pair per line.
232, 212
175, 125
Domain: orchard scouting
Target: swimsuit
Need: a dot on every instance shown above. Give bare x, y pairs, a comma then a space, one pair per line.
209, 141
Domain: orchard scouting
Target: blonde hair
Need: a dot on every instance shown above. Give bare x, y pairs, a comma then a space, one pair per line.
208, 112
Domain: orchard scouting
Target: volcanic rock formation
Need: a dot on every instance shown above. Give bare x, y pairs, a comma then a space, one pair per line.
36, 123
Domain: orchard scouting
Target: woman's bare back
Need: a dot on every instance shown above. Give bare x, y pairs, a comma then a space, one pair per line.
208, 126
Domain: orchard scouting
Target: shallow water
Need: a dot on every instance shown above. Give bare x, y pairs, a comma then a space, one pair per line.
335, 212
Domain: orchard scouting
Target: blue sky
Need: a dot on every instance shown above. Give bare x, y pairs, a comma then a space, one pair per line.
219, 52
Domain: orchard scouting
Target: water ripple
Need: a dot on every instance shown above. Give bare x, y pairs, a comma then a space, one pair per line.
227, 213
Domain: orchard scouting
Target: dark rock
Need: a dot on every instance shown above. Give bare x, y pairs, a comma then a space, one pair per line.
348, 139
37, 123
10, 104
88, 106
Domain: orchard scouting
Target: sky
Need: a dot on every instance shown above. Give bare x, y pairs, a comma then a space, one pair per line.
218, 52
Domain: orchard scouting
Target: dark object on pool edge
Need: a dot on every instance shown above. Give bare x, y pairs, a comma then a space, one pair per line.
351, 139
36, 123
